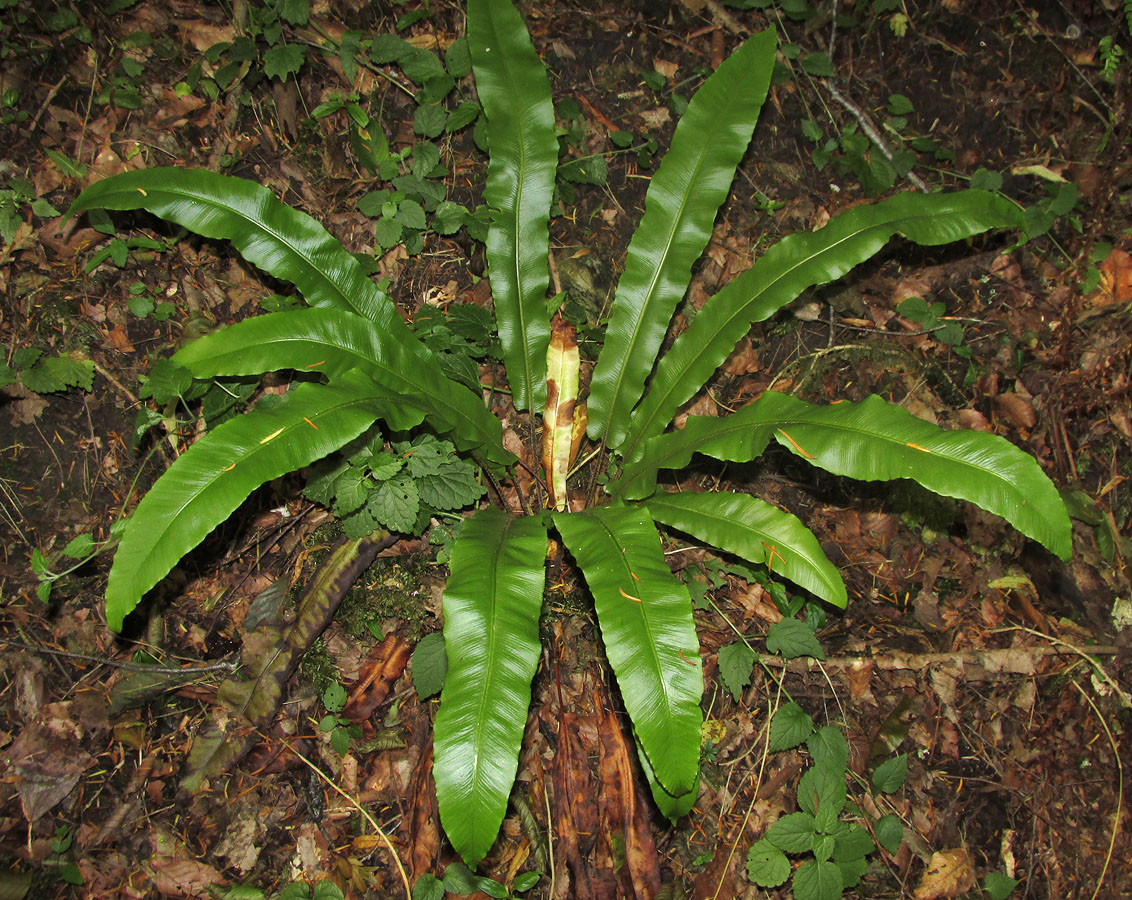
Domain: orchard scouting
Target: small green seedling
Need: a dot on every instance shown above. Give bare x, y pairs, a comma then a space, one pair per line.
341, 729
459, 881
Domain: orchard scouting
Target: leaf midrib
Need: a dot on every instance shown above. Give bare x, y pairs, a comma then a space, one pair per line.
210, 484
642, 431
731, 524
178, 191
650, 293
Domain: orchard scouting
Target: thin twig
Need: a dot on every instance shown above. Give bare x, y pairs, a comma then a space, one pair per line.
855, 111
373, 822
222, 666
1119, 789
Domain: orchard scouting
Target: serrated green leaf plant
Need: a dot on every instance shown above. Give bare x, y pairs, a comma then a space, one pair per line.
372, 368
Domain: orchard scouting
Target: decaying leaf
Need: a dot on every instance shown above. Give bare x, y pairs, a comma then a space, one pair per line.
45, 769
271, 654
950, 873
559, 444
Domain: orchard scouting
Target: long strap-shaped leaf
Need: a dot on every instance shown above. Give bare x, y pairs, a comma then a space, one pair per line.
680, 207
491, 612
739, 437
214, 476
794, 264
878, 441
754, 530
650, 639
515, 94
331, 342
275, 237
875, 441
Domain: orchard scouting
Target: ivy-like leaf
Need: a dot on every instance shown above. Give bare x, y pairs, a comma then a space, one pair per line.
789, 727
793, 833
855, 842
890, 832
735, 664
430, 665
351, 490
821, 793
791, 638
889, 775
395, 502
767, 866
283, 60
829, 748
453, 487
818, 880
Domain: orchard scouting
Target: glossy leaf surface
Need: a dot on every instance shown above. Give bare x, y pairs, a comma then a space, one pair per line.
277, 238
680, 207
330, 342
753, 530
873, 441
217, 473
491, 612
515, 94
878, 441
645, 615
794, 264
739, 437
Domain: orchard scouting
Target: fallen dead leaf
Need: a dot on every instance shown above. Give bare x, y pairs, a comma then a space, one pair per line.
184, 877
45, 769
949, 874
28, 405
1016, 409
1116, 281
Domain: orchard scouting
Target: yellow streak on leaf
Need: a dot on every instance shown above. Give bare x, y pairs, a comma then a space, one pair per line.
797, 446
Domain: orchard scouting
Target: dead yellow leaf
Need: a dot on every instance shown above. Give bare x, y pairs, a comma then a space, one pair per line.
949, 874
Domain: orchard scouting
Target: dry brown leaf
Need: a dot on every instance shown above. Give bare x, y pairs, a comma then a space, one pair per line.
1016, 409
860, 676
183, 877
949, 874
203, 35
1116, 281
974, 420
656, 118
45, 768
28, 405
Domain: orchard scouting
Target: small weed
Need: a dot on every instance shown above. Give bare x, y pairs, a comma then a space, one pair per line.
459, 881
62, 849
80, 550
341, 730
44, 374
19, 196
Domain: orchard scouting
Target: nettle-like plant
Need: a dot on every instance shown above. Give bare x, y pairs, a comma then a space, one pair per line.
372, 369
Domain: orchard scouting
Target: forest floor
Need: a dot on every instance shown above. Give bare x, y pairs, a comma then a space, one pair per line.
999, 672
